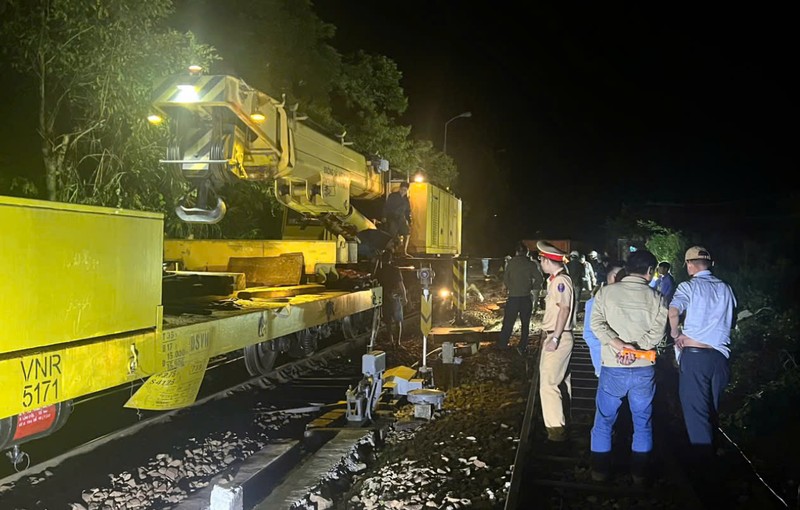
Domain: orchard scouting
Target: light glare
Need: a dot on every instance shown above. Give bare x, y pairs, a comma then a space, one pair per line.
187, 94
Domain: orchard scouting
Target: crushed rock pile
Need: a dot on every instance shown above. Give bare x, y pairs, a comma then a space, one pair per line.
462, 457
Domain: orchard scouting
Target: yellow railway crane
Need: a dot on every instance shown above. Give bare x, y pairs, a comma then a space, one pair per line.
86, 304
226, 130
84, 312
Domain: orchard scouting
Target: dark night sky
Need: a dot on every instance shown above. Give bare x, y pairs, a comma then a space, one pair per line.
585, 108
596, 104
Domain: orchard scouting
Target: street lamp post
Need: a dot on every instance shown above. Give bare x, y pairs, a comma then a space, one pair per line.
460, 115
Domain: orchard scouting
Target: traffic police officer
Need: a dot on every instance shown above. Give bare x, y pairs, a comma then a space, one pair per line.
557, 340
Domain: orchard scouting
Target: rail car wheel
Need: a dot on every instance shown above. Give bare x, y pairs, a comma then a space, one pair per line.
349, 329
357, 324
259, 358
304, 344
365, 318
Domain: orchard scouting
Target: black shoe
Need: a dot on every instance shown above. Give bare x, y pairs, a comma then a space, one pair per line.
640, 468
601, 466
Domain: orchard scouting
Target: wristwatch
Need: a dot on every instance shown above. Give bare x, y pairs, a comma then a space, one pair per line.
556, 339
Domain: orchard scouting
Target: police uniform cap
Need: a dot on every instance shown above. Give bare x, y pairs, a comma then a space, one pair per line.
697, 252
549, 251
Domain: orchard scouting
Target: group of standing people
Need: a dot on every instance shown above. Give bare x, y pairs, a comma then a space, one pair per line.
635, 315
628, 316
581, 271
587, 274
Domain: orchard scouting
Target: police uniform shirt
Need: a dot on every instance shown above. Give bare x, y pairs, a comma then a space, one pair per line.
559, 294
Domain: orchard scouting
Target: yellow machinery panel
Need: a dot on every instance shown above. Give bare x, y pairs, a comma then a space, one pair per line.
436, 215
179, 358
213, 255
101, 269
174, 358
34, 379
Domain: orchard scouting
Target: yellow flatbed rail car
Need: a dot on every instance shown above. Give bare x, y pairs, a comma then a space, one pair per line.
83, 313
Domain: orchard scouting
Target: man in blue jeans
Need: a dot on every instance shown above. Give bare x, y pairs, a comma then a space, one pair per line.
626, 316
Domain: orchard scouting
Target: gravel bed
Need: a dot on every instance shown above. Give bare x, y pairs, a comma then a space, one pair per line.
462, 457
165, 463
169, 478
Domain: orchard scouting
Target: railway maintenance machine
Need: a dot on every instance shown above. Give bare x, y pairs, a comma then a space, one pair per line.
96, 297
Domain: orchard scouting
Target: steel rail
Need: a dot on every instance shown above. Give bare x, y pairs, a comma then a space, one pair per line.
520, 459
284, 372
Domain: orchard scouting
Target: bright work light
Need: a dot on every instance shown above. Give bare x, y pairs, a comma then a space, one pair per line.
187, 94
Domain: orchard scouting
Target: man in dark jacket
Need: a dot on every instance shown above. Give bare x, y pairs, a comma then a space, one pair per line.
522, 277
397, 213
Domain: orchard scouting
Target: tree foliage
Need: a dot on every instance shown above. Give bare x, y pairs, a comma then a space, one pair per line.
277, 46
666, 244
94, 65
282, 48
368, 102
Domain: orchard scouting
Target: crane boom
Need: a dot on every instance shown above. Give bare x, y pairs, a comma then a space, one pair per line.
225, 130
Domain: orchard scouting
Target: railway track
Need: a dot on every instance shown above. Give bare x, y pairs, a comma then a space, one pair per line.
101, 414
258, 424
166, 458
258, 441
548, 478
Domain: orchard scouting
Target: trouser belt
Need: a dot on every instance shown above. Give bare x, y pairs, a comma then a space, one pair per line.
699, 349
